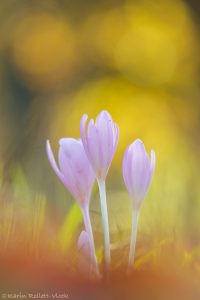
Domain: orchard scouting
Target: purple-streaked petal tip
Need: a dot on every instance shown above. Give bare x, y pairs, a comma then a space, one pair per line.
138, 141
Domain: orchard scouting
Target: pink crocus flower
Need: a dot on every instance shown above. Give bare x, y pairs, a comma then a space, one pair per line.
76, 174
100, 141
138, 170
74, 169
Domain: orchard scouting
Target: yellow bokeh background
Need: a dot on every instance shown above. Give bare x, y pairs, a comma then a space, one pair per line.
140, 61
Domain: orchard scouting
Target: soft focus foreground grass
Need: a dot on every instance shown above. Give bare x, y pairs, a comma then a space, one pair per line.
166, 231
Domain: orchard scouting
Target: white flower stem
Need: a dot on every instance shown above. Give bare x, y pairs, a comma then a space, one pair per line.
88, 228
104, 211
135, 218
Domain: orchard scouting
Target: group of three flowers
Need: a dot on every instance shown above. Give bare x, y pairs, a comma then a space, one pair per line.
83, 161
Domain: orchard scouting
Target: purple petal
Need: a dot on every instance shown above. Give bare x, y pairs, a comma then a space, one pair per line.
137, 171
140, 173
151, 171
75, 166
100, 142
104, 126
103, 115
93, 148
53, 162
153, 162
68, 172
83, 127
116, 139
109, 135
83, 131
127, 170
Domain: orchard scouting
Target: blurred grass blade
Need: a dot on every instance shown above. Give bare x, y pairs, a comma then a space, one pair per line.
38, 222
69, 228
